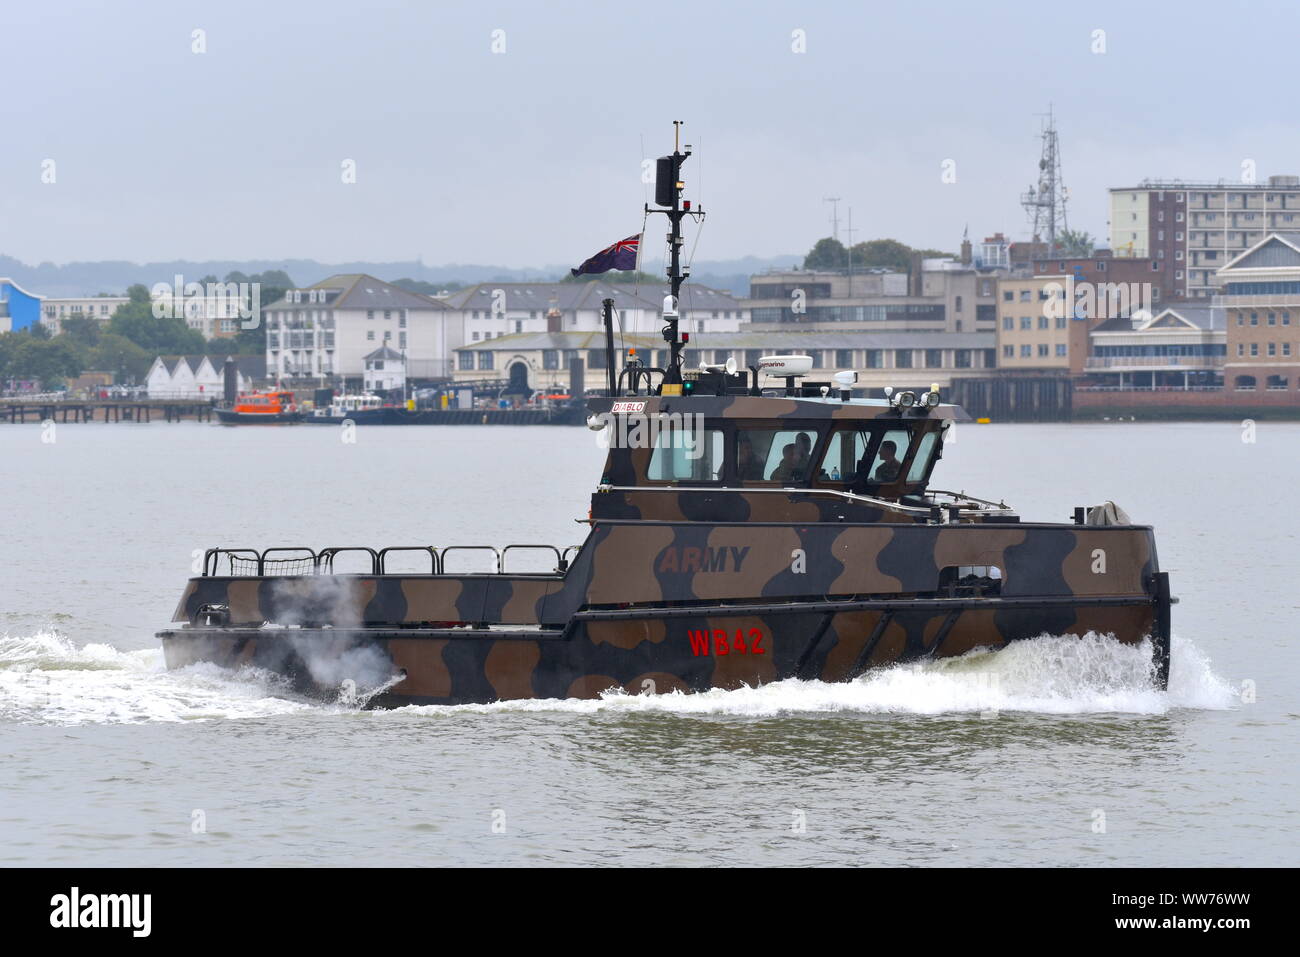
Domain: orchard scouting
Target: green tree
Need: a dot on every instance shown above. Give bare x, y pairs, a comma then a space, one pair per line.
1073, 242
428, 288
81, 330
826, 254
882, 253
120, 356
166, 335
49, 361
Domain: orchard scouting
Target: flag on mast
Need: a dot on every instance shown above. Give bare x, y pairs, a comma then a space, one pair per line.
622, 255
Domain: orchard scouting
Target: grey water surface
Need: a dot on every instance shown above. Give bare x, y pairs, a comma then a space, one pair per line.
1055, 752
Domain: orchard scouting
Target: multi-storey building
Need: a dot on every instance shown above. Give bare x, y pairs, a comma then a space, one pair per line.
936, 295
541, 361
100, 308
493, 309
325, 331
1180, 347
1196, 228
1044, 320
1261, 299
1034, 331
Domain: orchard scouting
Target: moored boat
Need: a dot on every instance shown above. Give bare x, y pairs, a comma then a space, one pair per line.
361, 409
255, 408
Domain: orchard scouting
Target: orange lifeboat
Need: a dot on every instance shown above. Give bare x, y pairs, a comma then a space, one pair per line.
261, 407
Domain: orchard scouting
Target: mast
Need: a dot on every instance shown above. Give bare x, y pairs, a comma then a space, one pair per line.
668, 193
607, 317
1045, 203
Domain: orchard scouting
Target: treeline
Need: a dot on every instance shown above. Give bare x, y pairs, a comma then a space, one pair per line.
128, 343
831, 254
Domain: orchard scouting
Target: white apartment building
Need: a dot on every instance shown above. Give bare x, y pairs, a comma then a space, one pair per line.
54, 311
327, 330
493, 309
211, 315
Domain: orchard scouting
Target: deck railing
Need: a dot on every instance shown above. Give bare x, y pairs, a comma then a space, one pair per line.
297, 561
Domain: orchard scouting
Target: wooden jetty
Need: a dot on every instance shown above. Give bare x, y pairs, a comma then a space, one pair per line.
18, 410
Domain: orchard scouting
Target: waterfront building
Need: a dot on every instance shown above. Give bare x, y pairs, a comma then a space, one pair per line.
1261, 299
324, 332
385, 370
490, 310
541, 361
1181, 347
18, 307
194, 377
1196, 228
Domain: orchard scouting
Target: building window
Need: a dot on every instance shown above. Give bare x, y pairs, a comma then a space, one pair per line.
466, 361
476, 336
902, 358
1254, 349
550, 358
1042, 349
1272, 348
844, 358
485, 360
1008, 296
1042, 322
1060, 349
370, 313
957, 305
1026, 351
401, 341
370, 335
1062, 322
401, 319
1026, 295
1009, 352
934, 358
1026, 322
1272, 319
1008, 323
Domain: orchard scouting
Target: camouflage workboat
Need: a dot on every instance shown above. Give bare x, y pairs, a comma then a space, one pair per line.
693, 576
739, 535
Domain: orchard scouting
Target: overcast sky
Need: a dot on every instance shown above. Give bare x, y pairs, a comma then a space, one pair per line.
532, 156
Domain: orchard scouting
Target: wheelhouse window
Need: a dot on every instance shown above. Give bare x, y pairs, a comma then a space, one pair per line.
888, 463
844, 449
775, 455
686, 455
925, 449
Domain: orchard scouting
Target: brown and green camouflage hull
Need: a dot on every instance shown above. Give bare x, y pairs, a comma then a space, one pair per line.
661, 606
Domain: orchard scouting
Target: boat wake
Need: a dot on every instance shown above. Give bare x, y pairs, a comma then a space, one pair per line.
47, 679
1049, 675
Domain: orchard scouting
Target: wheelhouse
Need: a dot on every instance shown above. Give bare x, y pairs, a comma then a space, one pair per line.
864, 447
